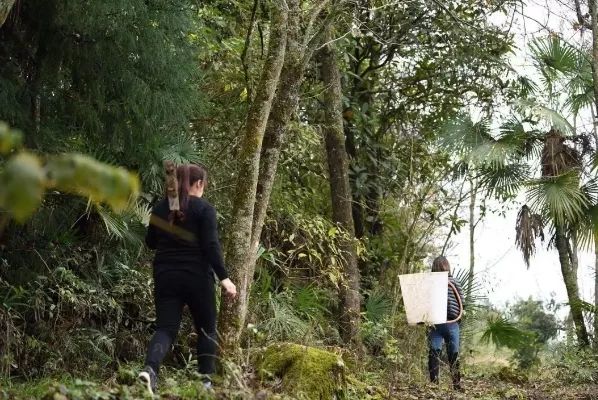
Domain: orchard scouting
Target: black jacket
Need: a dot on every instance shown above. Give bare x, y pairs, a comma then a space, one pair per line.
191, 244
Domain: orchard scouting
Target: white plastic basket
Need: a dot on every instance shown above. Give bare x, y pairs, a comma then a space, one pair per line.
425, 297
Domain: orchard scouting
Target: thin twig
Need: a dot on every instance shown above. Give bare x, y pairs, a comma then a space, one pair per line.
246, 48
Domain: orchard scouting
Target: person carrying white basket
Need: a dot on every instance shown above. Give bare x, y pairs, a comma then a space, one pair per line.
448, 332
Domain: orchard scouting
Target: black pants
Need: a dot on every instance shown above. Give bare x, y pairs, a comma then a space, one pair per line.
172, 290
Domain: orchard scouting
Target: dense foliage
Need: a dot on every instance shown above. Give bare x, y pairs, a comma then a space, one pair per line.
98, 85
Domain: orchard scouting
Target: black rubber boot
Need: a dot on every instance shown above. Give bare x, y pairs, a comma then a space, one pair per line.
455, 370
149, 378
434, 365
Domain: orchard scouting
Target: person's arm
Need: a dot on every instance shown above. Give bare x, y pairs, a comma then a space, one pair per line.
209, 242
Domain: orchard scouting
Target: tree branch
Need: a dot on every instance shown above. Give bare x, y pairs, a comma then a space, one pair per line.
246, 48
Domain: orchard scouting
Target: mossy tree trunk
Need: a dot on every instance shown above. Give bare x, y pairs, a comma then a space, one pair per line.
285, 104
299, 51
338, 167
238, 245
570, 278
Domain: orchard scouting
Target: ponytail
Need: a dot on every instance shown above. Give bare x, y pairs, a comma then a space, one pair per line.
186, 176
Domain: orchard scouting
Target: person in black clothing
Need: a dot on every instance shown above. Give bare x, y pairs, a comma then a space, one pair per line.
187, 256
448, 332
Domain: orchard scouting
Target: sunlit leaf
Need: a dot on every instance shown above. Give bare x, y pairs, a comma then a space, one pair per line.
22, 185
9, 139
101, 183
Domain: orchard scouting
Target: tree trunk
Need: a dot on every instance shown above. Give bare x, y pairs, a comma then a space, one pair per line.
238, 246
338, 166
472, 225
285, 104
595, 291
563, 247
5, 8
593, 5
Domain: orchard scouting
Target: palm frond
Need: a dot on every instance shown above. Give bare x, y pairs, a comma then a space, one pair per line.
463, 136
179, 149
586, 227
525, 144
473, 287
182, 151
128, 225
503, 181
561, 62
283, 323
460, 170
554, 57
528, 228
579, 101
547, 114
503, 333
558, 198
527, 86
310, 302
377, 306
475, 301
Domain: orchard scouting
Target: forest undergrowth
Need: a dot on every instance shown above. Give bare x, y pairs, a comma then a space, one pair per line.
347, 142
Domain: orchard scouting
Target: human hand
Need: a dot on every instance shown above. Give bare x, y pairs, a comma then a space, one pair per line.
229, 288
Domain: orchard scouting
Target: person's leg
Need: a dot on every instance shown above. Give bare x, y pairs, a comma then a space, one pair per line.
435, 349
169, 309
453, 344
201, 299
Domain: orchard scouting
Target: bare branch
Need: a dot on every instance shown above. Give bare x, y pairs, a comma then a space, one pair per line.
246, 48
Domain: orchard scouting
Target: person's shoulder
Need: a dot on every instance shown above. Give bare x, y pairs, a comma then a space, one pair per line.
200, 205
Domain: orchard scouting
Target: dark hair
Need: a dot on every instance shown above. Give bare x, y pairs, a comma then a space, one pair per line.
441, 264
187, 175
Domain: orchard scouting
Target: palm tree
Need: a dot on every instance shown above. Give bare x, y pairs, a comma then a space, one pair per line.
569, 69
562, 194
557, 197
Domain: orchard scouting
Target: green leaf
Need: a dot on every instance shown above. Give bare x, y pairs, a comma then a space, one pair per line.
9, 139
503, 333
553, 57
99, 182
559, 198
553, 117
503, 181
22, 185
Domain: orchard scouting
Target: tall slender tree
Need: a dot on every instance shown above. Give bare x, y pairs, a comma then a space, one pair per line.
238, 246
340, 189
300, 37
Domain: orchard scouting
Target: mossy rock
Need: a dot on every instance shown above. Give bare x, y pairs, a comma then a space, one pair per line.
305, 372
507, 374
